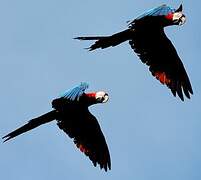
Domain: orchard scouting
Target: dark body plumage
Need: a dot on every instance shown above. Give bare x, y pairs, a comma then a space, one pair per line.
74, 118
147, 38
83, 127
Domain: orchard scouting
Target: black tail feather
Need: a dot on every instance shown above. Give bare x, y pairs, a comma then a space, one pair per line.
50, 116
91, 38
107, 41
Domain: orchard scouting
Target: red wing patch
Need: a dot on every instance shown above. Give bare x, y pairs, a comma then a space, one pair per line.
83, 148
162, 77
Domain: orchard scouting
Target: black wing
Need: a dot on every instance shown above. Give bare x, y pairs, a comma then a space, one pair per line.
156, 50
83, 127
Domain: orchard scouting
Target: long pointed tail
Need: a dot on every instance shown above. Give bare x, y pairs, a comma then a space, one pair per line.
45, 118
107, 41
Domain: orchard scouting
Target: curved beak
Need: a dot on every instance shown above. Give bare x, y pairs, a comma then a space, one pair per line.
182, 20
105, 98
102, 99
179, 18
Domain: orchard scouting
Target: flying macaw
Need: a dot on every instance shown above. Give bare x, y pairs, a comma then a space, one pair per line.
147, 38
73, 117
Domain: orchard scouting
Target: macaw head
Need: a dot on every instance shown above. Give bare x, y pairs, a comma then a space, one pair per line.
98, 97
177, 17
164, 15
77, 94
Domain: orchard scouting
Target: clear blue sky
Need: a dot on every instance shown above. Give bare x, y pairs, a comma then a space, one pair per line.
151, 134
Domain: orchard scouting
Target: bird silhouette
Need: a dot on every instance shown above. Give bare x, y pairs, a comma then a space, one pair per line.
147, 38
73, 117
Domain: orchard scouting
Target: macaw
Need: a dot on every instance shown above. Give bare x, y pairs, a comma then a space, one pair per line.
70, 110
147, 38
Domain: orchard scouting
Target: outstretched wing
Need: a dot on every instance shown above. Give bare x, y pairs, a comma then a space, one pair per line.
76, 92
88, 137
156, 50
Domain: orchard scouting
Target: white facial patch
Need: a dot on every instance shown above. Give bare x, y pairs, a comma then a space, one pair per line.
102, 95
178, 16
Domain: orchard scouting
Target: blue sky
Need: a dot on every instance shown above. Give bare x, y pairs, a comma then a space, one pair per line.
151, 134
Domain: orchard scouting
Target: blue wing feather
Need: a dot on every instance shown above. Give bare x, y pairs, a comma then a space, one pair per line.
75, 93
162, 10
